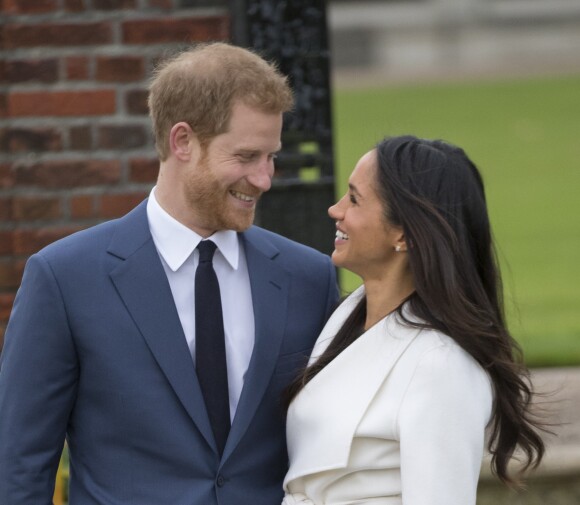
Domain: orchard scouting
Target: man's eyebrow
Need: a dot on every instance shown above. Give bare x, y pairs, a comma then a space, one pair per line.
250, 150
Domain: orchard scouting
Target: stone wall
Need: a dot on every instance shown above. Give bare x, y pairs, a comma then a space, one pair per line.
379, 41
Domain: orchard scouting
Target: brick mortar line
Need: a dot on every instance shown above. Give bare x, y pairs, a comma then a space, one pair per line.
92, 15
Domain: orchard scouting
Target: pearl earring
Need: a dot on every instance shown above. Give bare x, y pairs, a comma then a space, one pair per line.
398, 248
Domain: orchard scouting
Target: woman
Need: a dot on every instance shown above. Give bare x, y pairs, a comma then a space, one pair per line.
415, 364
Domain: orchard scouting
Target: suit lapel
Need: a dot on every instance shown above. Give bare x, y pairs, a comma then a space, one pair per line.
142, 284
269, 284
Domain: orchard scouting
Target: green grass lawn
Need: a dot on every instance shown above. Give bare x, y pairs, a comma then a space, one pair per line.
524, 135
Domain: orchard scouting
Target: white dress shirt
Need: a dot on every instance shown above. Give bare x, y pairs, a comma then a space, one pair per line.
176, 245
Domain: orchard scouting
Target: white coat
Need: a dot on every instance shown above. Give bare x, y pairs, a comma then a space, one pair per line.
398, 417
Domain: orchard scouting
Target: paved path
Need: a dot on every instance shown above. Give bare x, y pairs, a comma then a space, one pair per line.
560, 390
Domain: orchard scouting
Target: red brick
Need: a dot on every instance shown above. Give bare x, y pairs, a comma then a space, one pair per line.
6, 176
74, 5
31, 241
3, 103
161, 4
29, 6
57, 34
82, 206
6, 302
80, 138
136, 102
62, 103
122, 137
5, 214
31, 70
6, 238
68, 174
143, 170
118, 205
23, 140
35, 208
120, 68
8, 277
107, 5
18, 266
2, 333
180, 30
77, 68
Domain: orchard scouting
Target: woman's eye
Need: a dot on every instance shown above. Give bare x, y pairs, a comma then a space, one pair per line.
352, 199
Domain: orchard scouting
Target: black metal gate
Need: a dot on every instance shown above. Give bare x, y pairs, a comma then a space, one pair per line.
293, 33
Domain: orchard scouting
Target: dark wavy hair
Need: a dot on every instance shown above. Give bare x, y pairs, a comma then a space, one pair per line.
434, 192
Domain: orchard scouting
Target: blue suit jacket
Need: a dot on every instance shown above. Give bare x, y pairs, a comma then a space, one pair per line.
94, 350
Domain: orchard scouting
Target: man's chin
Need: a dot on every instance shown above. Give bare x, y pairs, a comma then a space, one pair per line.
240, 225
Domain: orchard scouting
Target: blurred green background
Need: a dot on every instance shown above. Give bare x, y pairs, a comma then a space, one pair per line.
524, 135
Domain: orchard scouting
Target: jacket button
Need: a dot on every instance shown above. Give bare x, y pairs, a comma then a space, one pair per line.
220, 481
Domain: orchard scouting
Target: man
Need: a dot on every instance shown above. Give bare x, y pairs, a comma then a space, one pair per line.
102, 345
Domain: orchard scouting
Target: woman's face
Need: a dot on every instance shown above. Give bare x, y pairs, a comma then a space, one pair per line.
365, 243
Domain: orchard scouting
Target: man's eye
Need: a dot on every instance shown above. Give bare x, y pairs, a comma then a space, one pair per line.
352, 199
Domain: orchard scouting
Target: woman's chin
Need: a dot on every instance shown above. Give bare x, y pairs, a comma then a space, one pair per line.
338, 260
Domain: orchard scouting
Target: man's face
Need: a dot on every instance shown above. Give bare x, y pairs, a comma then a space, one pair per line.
223, 187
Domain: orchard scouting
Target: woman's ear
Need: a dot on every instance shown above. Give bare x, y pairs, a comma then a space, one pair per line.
182, 141
400, 244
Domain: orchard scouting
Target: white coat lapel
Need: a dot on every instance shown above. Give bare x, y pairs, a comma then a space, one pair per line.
323, 418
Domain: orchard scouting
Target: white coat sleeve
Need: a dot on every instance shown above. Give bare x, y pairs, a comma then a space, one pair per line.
441, 424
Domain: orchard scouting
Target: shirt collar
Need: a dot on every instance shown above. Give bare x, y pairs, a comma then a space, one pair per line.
175, 241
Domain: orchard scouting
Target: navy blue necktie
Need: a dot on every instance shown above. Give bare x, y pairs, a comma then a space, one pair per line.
210, 348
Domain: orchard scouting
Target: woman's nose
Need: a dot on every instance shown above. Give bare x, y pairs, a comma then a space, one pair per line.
334, 211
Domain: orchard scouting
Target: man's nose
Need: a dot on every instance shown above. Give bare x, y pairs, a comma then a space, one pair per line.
261, 176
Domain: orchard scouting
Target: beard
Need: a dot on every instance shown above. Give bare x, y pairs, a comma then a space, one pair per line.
211, 202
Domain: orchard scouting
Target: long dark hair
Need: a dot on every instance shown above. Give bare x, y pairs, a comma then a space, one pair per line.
433, 191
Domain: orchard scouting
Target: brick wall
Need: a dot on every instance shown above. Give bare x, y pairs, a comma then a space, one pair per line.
75, 141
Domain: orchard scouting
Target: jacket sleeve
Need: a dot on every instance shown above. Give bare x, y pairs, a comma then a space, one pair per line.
441, 425
38, 377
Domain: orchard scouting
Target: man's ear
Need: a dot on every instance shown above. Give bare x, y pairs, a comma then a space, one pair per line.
182, 141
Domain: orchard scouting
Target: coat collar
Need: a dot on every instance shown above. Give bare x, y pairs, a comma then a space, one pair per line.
270, 284
143, 286
341, 393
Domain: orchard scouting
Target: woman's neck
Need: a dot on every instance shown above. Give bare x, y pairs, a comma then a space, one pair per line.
385, 295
